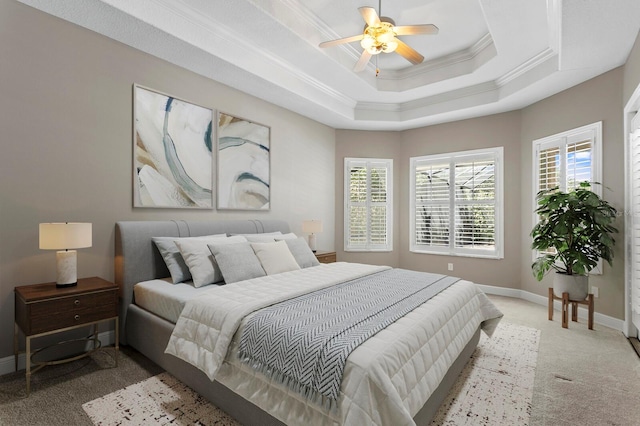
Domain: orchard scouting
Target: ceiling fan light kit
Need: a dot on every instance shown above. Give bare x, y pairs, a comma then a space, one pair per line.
379, 36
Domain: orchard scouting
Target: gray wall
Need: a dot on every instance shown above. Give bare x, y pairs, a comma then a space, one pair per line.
66, 120
354, 143
485, 132
632, 71
599, 99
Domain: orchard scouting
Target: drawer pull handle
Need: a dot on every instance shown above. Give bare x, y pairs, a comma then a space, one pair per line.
76, 302
77, 317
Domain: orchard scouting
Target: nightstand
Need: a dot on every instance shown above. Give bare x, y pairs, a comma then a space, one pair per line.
43, 309
326, 256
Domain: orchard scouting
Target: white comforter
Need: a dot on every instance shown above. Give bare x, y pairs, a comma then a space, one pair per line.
386, 380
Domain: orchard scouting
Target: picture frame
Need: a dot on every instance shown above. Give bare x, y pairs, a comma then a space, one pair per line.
244, 164
172, 151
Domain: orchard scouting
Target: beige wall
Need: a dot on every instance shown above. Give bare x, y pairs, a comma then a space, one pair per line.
632, 71
496, 130
599, 99
66, 120
362, 144
485, 132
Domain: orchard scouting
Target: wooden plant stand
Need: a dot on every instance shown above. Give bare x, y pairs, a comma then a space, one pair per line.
574, 308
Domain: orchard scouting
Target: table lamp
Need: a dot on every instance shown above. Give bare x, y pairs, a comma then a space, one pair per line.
312, 227
65, 237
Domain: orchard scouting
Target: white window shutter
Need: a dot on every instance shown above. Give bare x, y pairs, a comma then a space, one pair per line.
456, 203
368, 204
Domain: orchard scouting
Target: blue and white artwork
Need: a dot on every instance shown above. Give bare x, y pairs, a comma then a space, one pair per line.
173, 161
243, 164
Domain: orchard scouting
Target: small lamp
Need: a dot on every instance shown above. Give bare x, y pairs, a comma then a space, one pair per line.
65, 236
312, 227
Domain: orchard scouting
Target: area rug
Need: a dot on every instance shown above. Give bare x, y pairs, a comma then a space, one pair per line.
495, 388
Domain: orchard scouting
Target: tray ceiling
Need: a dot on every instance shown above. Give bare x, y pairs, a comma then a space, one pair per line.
489, 56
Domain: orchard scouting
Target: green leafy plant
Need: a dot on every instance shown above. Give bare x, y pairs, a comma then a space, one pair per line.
574, 231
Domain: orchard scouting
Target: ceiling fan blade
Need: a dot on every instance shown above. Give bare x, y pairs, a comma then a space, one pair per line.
370, 16
362, 62
408, 53
341, 41
416, 29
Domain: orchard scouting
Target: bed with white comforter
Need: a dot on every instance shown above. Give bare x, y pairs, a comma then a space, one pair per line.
386, 380
393, 378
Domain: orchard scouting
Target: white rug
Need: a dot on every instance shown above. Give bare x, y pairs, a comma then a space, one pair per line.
495, 388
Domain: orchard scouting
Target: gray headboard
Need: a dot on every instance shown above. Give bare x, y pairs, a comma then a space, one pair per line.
137, 258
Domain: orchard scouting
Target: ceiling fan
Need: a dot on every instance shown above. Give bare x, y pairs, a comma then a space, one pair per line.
379, 35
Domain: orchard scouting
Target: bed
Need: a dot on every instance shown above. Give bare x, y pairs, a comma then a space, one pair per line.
248, 395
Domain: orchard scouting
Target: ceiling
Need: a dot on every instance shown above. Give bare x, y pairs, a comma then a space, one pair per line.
489, 56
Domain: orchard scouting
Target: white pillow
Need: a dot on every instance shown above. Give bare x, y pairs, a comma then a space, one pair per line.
289, 236
261, 238
173, 259
202, 266
275, 257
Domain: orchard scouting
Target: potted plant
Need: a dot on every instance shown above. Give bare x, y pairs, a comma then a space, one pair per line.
573, 233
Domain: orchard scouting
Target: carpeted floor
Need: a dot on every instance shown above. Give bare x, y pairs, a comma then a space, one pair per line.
495, 388
582, 377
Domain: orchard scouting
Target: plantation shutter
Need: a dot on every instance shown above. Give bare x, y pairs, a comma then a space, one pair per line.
368, 204
635, 218
566, 159
432, 204
475, 200
549, 168
456, 203
578, 156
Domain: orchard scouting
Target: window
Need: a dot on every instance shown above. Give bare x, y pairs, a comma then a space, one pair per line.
456, 203
368, 204
566, 159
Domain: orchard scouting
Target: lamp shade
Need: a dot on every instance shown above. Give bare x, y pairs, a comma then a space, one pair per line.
312, 226
62, 236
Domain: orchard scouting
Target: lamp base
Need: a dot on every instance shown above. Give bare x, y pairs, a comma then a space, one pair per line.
66, 268
312, 242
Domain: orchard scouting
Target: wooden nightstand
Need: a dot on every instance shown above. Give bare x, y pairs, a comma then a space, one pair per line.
43, 309
326, 256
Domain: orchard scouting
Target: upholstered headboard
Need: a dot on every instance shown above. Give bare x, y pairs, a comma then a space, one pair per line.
137, 258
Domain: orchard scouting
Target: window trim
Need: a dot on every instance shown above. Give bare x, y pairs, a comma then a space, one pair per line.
388, 162
453, 157
561, 140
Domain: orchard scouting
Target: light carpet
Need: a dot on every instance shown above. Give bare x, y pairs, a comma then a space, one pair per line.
495, 388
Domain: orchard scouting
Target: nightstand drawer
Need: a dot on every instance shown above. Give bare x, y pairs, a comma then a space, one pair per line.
326, 257
52, 314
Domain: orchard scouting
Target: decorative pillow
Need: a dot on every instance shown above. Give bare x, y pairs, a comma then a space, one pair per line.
261, 238
275, 257
173, 259
289, 236
302, 253
201, 263
263, 233
237, 262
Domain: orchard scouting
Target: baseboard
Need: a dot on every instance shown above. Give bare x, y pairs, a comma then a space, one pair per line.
7, 364
598, 318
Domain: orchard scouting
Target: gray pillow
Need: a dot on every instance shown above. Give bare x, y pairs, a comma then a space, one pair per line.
302, 253
173, 259
237, 262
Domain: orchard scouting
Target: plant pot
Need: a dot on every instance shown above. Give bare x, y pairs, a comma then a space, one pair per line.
576, 285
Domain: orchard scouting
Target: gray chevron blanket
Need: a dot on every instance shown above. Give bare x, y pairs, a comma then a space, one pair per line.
304, 342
